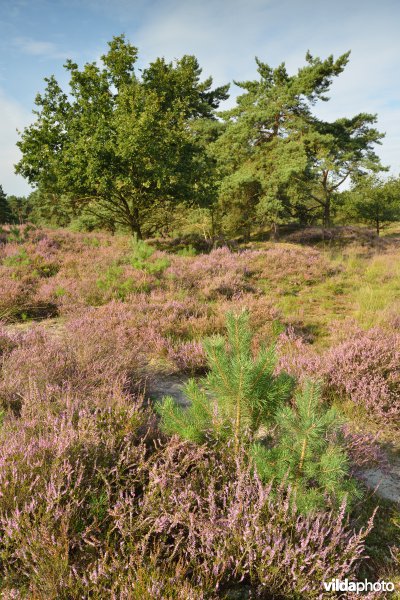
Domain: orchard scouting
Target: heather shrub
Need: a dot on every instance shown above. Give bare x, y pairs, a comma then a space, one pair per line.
37, 360
18, 298
53, 502
288, 265
221, 273
187, 356
216, 517
363, 367
363, 449
15, 295
366, 368
298, 357
94, 353
36, 265
113, 515
8, 340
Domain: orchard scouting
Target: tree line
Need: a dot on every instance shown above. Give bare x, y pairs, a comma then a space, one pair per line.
136, 149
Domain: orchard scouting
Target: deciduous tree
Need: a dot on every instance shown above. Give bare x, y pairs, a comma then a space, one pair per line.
119, 144
374, 201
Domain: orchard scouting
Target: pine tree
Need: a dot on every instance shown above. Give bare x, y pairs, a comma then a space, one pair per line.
239, 395
5, 212
308, 454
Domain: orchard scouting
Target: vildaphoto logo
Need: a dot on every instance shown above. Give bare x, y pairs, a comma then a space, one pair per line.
338, 585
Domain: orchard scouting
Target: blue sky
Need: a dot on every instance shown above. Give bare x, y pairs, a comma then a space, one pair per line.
36, 36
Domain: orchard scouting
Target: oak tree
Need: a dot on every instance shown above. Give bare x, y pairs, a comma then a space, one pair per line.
122, 143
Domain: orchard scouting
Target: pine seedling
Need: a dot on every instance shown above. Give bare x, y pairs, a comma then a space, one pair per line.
141, 257
239, 394
308, 454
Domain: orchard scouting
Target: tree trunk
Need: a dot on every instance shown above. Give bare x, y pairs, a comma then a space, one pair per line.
327, 212
275, 231
377, 227
134, 225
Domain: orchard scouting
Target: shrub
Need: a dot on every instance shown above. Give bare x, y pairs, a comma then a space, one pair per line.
117, 284
366, 368
89, 507
95, 354
142, 258
363, 368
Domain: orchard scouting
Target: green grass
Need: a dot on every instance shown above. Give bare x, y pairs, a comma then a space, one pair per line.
361, 287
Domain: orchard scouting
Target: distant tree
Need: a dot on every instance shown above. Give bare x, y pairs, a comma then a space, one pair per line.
5, 212
120, 145
273, 142
337, 152
20, 208
373, 201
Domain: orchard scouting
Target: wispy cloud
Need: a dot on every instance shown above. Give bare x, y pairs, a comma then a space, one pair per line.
225, 37
41, 48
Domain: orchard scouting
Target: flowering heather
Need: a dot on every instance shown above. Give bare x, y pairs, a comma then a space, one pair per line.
364, 450
288, 263
365, 368
221, 273
94, 500
95, 352
89, 504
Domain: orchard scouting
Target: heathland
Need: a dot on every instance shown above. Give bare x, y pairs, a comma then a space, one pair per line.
103, 496
199, 343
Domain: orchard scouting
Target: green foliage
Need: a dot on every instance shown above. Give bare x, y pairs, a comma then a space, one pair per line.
20, 259
373, 201
141, 258
120, 147
20, 207
277, 161
187, 251
116, 284
37, 266
244, 401
240, 394
308, 453
17, 235
5, 211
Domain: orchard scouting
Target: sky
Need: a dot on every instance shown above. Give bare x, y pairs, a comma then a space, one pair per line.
37, 36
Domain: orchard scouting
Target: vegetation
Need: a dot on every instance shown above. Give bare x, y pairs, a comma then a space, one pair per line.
267, 480
374, 202
202, 414
241, 398
119, 146
5, 212
244, 392
129, 151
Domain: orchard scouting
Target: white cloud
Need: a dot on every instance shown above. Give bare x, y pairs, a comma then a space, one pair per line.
13, 116
38, 48
226, 37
